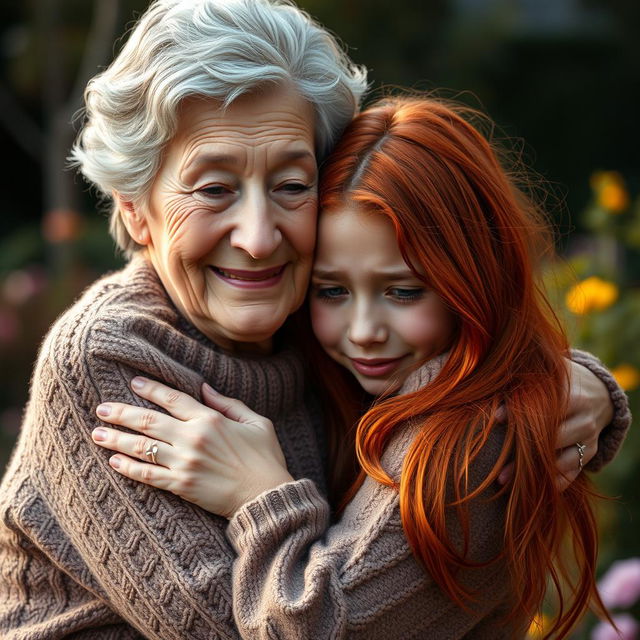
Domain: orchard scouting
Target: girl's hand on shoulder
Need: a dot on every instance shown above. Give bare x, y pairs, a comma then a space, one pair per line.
218, 456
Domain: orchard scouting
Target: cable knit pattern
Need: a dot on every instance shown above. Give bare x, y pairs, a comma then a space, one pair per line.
297, 578
612, 435
85, 552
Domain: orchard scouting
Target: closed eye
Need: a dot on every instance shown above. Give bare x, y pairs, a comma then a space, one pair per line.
406, 294
330, 293
215, 190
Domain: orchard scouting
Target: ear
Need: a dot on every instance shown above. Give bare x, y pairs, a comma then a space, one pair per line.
134, 219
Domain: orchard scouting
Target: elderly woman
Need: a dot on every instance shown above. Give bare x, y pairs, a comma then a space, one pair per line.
205, 131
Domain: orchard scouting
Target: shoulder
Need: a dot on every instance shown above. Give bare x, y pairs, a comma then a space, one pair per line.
122, 325
120, 312
484, 456
113, 304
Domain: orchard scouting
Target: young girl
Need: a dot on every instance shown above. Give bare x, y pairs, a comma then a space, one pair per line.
424, 290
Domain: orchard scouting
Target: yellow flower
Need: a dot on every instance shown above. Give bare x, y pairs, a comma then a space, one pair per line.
611, 192
627, 376
540, 625
592, 294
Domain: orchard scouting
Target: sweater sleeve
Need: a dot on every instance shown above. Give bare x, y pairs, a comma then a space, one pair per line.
297, 578
138, 559
613, 435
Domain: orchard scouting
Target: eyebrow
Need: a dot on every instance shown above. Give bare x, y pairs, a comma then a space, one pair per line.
328, 274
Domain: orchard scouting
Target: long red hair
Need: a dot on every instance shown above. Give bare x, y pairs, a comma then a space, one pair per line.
466, 228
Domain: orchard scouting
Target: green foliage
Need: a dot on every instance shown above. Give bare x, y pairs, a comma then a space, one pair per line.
596, 289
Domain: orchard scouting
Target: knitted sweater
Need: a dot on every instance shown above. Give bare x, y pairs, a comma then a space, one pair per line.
298, 578
89, 553
85, 552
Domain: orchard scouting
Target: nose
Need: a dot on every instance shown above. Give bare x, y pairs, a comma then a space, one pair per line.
256, 230
367, 326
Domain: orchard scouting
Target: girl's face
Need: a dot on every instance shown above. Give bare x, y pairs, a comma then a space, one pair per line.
369, 311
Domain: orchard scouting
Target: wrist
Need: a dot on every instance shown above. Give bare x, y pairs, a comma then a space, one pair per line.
261, 484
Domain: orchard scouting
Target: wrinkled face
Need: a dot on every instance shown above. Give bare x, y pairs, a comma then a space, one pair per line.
229, 224
369, 311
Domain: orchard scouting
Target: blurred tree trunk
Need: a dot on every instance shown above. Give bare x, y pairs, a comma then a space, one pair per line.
61, 99
60, 104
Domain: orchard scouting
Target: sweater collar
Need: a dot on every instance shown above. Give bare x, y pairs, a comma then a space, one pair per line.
270, 384
424, 375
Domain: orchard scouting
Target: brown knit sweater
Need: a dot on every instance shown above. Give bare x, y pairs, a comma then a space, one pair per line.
296, 577
84, 552
89, 553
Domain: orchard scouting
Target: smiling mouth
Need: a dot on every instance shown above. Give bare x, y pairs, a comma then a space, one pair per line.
250, 276
251, 279
376, 367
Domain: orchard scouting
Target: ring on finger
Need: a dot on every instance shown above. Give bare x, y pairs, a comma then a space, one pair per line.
151, 452
581, 448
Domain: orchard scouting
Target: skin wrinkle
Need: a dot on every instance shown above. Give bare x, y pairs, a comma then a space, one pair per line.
261, 216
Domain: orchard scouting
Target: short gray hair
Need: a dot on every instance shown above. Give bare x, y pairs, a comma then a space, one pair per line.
220, 49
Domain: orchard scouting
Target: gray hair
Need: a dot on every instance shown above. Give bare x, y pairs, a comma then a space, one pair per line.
220, 49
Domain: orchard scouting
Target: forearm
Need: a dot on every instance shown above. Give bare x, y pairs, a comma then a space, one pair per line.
298, 578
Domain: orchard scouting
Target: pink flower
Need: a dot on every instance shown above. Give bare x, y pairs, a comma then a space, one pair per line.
627, 625
21, 285
620, 586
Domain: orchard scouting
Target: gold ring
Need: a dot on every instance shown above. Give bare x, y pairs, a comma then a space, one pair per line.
581, 447
151, 452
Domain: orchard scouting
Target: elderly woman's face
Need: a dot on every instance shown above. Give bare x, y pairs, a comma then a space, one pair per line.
231, 217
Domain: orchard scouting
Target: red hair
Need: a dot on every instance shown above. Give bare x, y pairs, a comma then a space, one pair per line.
474, 238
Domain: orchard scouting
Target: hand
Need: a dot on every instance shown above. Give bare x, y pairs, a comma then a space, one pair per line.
218, 456
589, 411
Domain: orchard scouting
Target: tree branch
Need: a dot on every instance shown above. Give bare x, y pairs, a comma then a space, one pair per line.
97, 50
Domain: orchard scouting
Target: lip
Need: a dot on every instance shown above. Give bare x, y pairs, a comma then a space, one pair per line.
250, 278
375, 367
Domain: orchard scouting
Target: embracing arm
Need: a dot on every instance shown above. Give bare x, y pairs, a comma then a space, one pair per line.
296, 576
147, 558
161, 564
598, 417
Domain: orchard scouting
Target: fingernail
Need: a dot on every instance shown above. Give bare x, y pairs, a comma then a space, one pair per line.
103, 410
115, 462
99, 434
138, 382
210, 389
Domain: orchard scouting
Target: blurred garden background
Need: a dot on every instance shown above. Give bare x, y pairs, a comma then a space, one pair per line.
562, 75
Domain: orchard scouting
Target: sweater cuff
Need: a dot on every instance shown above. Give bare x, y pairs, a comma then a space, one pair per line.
614, 433
264, 521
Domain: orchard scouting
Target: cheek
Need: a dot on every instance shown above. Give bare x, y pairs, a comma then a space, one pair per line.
300, 231
427, 329
196, 238
326, 322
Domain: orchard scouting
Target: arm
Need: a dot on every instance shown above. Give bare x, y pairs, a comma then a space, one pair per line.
146, 558
296, 576
49, 603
